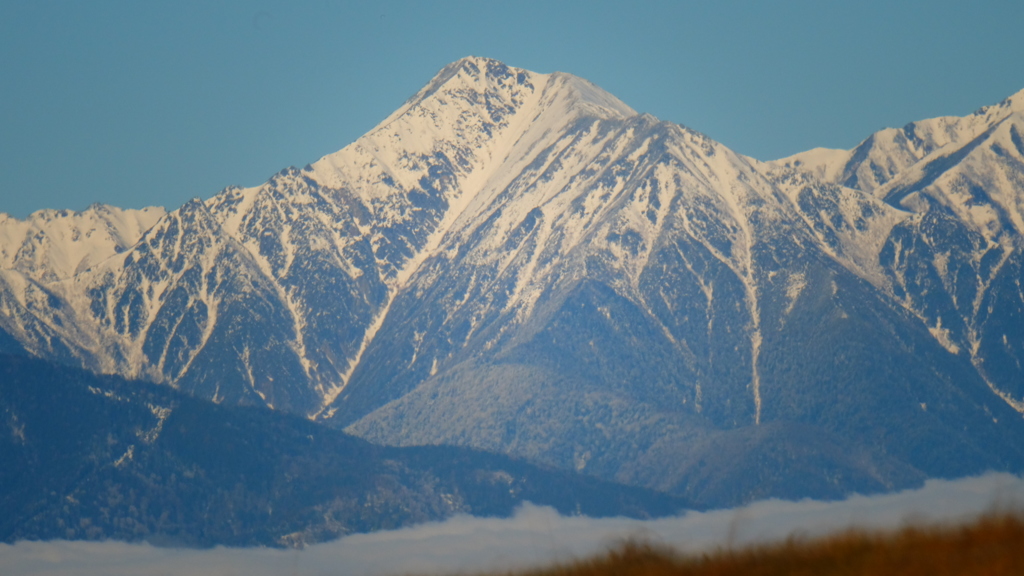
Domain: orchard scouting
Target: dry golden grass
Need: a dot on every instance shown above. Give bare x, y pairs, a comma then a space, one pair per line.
990, 546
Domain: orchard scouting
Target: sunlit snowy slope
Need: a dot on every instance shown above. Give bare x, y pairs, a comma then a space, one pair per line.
521, 263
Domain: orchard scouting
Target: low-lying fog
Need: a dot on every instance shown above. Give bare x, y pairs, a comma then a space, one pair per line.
536, 535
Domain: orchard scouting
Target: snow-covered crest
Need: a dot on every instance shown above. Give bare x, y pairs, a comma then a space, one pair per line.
890, 151
57, 244
474, 111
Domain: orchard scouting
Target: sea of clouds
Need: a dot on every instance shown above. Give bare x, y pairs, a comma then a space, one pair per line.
535, 535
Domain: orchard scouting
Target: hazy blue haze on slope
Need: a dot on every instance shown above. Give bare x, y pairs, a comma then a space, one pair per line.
534, 536
137, 104
99, 458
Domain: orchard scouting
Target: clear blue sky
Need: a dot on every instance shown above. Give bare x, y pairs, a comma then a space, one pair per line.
152, 103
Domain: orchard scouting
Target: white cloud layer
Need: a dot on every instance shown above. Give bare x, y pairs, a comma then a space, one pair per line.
535, 535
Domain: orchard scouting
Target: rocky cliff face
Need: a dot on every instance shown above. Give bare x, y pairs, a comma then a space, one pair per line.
521, 263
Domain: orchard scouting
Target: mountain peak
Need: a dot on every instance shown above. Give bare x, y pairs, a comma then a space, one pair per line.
482, 78
472, 74
476, 65
472, 112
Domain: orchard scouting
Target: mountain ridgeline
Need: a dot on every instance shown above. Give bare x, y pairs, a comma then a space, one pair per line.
521, 263
96, 457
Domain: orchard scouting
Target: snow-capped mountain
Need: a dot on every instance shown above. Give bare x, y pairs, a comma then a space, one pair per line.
40, 254
53, 245
955, 261
887, 153
520, 262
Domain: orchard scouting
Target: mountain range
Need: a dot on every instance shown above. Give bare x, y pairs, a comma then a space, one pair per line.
521, 263
93, 457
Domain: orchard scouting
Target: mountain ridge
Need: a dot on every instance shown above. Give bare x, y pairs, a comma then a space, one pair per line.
904, 146
521, 263
95, 457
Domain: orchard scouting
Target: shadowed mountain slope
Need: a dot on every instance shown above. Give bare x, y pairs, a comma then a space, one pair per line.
87, 457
